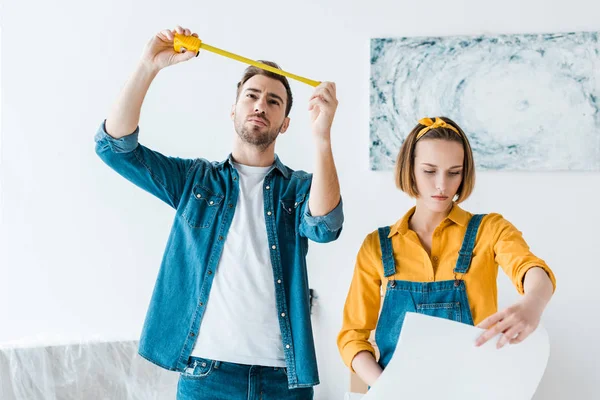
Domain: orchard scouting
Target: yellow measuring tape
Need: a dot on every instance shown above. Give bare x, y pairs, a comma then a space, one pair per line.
192, 43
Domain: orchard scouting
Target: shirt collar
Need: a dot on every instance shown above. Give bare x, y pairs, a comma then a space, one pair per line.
277, 164
456, 215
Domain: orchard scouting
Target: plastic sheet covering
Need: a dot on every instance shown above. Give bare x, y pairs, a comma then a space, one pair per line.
95, 371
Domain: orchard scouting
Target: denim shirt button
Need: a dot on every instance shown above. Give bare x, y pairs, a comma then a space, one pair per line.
274, 247
278, 280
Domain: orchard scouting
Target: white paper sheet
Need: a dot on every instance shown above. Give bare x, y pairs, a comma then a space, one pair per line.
437, 359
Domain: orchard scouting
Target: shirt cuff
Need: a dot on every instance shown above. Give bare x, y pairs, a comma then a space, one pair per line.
333, 221
527, 267
352, 349
126, 144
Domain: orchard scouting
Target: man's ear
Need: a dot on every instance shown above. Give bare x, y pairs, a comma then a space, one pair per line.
285, 125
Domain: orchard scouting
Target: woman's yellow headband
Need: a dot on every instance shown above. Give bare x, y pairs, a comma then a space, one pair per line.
430, 124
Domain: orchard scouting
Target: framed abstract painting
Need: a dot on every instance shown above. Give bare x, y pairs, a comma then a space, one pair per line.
527, 102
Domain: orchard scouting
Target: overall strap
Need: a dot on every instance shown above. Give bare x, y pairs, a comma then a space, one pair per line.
387, 254
466, 251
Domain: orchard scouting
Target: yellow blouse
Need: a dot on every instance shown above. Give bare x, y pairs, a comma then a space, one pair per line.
498, 243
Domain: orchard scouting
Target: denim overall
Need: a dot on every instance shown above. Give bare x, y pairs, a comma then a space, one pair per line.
444, 299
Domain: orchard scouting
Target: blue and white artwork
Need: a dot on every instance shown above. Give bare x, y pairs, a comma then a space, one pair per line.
526, 102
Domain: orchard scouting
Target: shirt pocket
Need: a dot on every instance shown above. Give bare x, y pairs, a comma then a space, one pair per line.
290, 206
202, 207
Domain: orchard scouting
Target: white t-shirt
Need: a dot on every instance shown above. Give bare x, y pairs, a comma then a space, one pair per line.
240, 324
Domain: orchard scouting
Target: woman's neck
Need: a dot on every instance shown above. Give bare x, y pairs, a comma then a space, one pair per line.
426, 220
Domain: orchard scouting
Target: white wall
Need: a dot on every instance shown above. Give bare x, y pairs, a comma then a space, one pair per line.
81, 246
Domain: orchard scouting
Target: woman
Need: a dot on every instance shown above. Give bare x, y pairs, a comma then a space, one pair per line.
439, 259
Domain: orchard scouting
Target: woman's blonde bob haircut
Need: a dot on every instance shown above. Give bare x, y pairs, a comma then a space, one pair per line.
405, 163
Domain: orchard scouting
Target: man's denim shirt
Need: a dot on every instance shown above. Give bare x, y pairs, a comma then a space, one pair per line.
205, 197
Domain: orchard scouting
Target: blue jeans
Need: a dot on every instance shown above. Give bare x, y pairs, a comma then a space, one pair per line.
206, 379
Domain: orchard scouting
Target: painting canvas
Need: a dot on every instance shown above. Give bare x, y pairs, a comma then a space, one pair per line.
526, 102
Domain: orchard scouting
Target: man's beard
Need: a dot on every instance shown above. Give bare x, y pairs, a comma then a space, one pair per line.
253, 135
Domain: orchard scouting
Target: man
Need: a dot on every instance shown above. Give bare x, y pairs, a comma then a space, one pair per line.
230, 309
